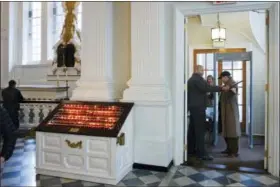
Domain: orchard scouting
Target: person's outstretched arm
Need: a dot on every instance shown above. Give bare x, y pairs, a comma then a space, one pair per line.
20, 97
204, 87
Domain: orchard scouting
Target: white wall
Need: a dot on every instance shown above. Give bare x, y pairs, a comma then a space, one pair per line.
258, 22
259, 77
200, 37
4, 42
31, 74
258, 27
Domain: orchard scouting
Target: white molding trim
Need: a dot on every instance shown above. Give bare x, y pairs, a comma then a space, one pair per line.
187, 10
184, 9
32, 65
273, 92
149, 103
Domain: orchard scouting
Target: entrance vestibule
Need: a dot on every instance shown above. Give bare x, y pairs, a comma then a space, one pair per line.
234, 61
238, 62
273, 106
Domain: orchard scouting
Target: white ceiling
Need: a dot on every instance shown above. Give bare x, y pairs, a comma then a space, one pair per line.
238, 22
239, 19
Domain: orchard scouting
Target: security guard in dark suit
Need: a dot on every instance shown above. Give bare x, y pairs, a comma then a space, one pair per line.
197, 103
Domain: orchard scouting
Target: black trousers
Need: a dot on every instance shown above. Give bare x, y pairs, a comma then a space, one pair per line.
220, 126
232, 145
13, 113
196, 132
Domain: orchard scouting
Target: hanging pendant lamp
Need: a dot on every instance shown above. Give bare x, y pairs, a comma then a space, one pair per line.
218, 34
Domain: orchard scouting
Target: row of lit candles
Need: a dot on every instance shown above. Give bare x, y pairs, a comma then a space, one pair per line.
87, 118
88, 115
88, 107
88, 112
99, 108
80, 124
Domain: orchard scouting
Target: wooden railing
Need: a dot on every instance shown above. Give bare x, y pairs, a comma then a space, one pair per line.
32, 112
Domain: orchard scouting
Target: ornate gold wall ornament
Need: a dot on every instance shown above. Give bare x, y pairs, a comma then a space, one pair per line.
67, 49
74, 145
121, 139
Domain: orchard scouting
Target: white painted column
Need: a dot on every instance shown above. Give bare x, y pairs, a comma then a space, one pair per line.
100, 63
4, 43
148, 86
16, 24
148, 81
44, 32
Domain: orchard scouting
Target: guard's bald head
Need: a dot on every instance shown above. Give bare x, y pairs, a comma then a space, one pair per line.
199, 69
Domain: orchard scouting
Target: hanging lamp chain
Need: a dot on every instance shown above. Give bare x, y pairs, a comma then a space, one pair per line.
218, 21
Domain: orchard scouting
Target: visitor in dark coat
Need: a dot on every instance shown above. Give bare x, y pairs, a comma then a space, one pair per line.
7, 134
11, 101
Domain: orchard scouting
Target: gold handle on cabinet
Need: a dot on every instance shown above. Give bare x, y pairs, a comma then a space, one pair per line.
121, 139
74, 145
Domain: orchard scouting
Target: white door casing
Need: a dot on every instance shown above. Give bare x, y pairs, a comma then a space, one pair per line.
186, 69
266, 96
273, 90
185, 9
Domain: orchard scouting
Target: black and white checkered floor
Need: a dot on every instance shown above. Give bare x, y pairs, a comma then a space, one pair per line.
19, 171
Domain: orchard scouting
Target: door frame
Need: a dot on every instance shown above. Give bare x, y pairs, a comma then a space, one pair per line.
184, 9
226, 50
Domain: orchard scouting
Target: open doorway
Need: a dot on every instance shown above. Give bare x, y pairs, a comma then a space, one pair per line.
247, 63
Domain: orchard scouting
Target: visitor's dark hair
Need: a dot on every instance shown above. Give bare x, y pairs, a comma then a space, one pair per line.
12, 83
210, 77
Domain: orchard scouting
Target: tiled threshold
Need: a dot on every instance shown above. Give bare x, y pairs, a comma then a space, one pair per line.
225, 167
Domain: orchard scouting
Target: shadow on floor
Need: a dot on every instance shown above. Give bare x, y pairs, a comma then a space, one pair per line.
249, 160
